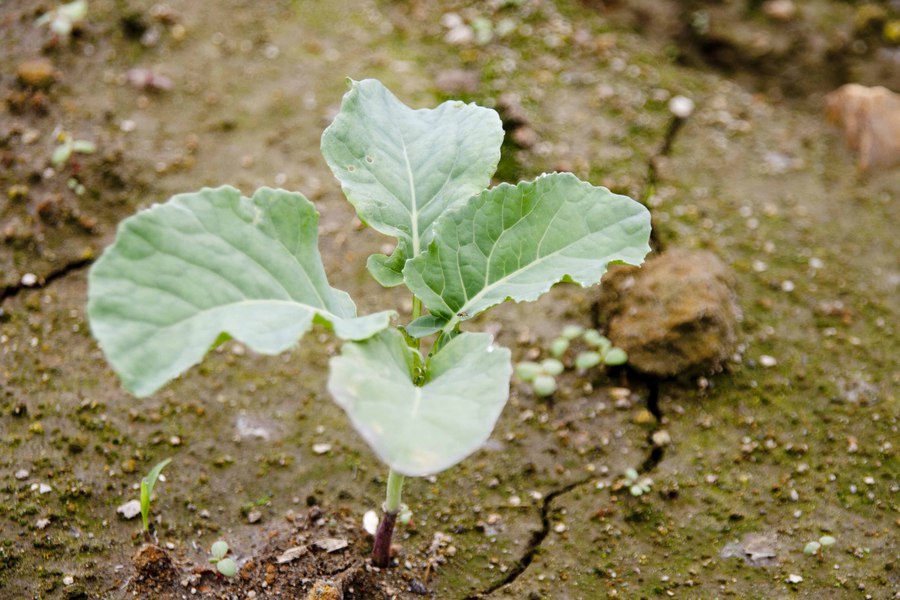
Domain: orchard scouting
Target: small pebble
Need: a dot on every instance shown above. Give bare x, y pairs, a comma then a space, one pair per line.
68, 580
321, 448
794, 579
254, 516
37, 73
370, 522
767, 361
44, 489
42, 523
130, 509
22, 474
29, 279
560, 528
681, 106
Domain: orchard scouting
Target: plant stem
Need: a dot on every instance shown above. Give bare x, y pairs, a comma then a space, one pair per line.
381, 550
416, 308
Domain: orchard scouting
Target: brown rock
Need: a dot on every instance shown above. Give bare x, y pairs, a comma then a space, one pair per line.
677, 314
870, 118
325, 590
37, 73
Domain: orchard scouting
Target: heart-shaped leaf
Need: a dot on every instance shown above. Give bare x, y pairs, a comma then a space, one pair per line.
517, 241
208, 263
402, 168
423, 430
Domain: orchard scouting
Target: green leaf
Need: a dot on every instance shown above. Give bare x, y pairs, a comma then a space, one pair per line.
227, 567
425, 325
402, 168
527, 370
515, 242
219, 549
615, 357
420, 431
182, 273
544, 385
586, 360
147, 484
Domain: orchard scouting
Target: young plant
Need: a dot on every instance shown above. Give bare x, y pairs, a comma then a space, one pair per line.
225, 566
212, 265
68, 146
147, 484
636, 485
818, 548
542, 376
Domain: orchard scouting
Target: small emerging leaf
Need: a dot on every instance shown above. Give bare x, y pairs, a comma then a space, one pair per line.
61, 154
544, 385
570, 332
811, 548
219, 549
559, 346
593, 337
83, 147
227, 567
551, 366
586, 360
615, 357
147, 484
827, 540
527, 370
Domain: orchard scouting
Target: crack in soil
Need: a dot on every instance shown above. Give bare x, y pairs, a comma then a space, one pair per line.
67, 269
537, 538
653, 177
652, 460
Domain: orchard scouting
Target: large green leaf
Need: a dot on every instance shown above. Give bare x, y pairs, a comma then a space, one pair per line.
208, 263
420, 431
402, 168
517, 241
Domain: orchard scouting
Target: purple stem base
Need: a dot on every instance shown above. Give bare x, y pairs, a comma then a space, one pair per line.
381, 551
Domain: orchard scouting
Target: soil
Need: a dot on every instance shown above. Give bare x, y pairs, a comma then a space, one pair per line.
795, 439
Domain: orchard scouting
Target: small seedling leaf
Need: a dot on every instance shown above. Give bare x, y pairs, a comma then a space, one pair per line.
586, 360
402, 168
516, 242
423, 430
219, 549
593, 337
544, 385
827, 540
147, 484
570, 332
83, 147
424, 326
615, 357
227, 567
811, 548
527, 370
559, 346
61, 154
551, 366
182, 273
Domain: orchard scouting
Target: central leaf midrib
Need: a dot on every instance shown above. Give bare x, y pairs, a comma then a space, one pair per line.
489, 287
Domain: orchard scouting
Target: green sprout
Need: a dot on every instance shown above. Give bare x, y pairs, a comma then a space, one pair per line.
542, 376
147, 484
817, 548
67, 146
225, 566
636, 485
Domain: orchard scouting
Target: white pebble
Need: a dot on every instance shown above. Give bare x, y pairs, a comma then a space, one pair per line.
130, 509
44, 489
22, 474
681, 106
794, 578
29, 279
321, 448
816, 263
767, 361
68, 580
370, 522
787, 285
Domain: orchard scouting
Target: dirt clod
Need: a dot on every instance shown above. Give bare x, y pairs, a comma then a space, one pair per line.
677, 314
870, 119
38, 73
153, 563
